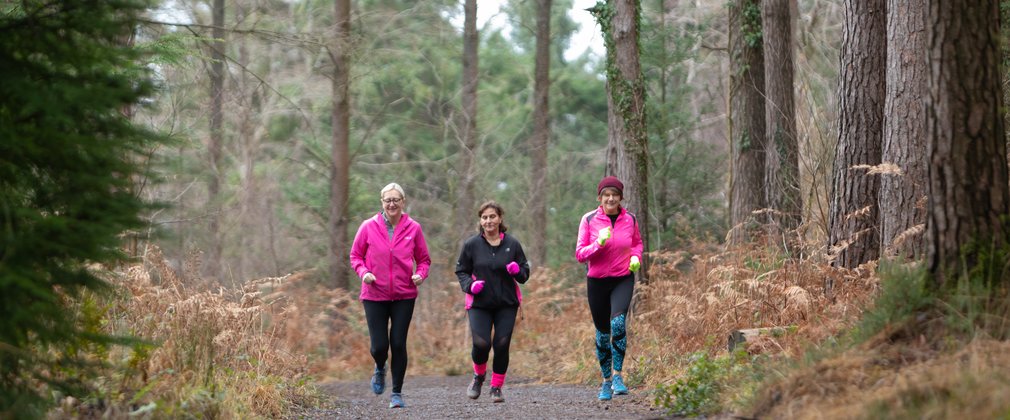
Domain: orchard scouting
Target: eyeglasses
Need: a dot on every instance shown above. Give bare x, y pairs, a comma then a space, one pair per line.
391, 200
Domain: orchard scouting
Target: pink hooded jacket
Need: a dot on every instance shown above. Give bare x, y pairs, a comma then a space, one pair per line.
390, 261
613, 258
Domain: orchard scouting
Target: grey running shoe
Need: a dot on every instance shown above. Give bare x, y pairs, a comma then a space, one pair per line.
378, 381
474, 390
496, 394
396, 401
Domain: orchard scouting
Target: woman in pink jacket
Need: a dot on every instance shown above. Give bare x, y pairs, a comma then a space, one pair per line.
391, 257
610, 245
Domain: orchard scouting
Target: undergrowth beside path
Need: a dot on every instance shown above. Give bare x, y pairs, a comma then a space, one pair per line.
258, 349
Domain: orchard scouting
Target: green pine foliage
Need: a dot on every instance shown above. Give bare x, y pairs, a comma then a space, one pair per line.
68, 161
686, 199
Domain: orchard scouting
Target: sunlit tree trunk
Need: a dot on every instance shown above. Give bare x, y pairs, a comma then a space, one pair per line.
747, 116
782, 168
969, 195
852, 223
340, 155
541, 132
903, 194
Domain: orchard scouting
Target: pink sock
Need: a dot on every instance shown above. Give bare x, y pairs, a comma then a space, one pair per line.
479, 369
497, 379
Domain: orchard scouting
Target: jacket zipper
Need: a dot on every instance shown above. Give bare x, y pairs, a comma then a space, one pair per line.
392, 293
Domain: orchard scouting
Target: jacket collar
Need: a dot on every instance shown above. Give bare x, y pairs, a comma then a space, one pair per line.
380, 218
501, 235
601, 212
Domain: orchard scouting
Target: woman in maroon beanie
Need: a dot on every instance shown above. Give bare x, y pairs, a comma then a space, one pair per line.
610, 245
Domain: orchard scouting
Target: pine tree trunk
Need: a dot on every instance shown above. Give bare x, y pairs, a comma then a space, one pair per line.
213, 261
465, 206
903, 196
541, 132
627, 141
852, 222
968, 190
340, 155
247, 234
660, 127
747, 117
782, 168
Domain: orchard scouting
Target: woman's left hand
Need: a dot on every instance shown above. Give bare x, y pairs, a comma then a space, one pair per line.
512, 268
417, 279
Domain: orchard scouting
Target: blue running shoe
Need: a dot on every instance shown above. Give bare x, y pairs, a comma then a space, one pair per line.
606, 391
379, 380
396, 401
619, 387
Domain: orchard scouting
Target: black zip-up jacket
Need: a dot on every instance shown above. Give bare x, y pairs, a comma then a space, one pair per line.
480, 261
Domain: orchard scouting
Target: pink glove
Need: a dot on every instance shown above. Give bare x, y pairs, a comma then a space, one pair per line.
476, 286
512, 268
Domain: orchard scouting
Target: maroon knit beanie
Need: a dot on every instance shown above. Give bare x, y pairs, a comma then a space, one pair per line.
610, 182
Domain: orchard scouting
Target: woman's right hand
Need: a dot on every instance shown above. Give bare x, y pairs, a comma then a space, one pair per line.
476, 287
368, 278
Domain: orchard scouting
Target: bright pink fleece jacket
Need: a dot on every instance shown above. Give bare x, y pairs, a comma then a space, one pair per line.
613, 258
390, 261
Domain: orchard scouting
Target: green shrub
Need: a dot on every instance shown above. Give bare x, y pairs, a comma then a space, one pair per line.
701, 390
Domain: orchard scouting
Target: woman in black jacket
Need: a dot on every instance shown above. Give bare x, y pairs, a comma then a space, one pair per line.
490, 268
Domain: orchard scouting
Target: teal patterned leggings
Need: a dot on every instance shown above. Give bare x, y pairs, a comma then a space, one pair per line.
609, 300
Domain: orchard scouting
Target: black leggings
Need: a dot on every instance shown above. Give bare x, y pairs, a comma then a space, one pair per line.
481, 321
608, 298
378, 314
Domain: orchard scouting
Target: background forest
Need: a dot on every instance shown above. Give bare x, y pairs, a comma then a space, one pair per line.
405, 126
257, 133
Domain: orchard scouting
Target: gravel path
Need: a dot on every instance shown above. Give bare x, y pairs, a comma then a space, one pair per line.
439, 397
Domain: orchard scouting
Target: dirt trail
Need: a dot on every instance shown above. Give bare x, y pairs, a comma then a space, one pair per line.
439, 397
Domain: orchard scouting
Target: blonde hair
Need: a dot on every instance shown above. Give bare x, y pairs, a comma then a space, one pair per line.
390, 187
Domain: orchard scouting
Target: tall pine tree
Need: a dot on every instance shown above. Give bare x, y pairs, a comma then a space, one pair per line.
67, 161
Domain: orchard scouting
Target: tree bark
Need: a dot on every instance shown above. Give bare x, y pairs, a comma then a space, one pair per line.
782, 167
669, 78
340, 155
247, 234
969, 194
131, 239
747, 117
852, 222
541, 131
465, 205
902, 195
627, 140
213, 262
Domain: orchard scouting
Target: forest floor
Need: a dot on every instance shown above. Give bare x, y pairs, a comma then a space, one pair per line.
438, 397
